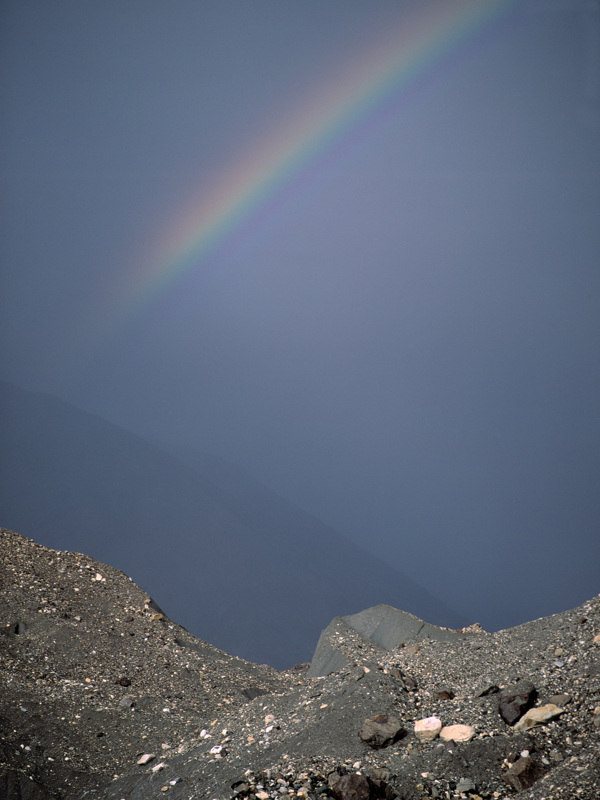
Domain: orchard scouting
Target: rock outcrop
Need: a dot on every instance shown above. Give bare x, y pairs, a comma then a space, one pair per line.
105, 697
381, 625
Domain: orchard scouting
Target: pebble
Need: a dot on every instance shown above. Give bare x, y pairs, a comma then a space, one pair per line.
146, 758
560, 699
465, 785
127, 701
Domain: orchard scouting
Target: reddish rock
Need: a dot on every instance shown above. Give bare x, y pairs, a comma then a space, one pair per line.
523, 774
350, 787
355, 786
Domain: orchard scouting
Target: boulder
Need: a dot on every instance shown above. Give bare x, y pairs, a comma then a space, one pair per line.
457, 733
355, 786
381, 730
515, 700
523, 774
536, 715
427, 729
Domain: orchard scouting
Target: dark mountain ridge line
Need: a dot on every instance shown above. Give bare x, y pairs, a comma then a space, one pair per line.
216, 555
105, 697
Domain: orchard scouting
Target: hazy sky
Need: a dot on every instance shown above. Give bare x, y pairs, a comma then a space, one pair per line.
351, 246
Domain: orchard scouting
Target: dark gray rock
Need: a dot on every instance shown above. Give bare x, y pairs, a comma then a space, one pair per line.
515, 700
381, 730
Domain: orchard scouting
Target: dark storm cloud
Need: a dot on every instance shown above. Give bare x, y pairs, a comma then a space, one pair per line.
406, 344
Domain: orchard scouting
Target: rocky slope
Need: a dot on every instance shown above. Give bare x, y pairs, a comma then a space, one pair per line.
104, 697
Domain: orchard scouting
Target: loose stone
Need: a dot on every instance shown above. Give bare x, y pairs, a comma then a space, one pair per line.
428, 728
457, 733
381, 730
515, 700
536, 715
523, 774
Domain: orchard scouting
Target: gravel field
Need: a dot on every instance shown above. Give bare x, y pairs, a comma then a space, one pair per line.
104, 697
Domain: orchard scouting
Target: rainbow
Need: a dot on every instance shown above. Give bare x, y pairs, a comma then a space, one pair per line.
407, 49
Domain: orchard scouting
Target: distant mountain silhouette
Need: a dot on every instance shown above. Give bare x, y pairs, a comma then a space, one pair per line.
236, 564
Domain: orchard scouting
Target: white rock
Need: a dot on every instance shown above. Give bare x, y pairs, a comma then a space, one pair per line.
537, 715
428, 728
457, 733
146, 758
